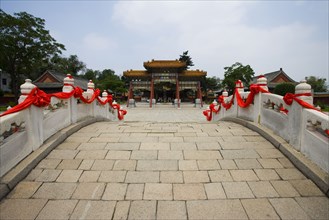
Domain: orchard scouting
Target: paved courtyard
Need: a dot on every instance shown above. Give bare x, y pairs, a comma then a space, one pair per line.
165, 163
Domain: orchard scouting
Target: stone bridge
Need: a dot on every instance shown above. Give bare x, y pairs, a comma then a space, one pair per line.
164, 163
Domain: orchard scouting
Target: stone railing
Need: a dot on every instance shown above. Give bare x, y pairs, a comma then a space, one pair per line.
299, 123
24, 131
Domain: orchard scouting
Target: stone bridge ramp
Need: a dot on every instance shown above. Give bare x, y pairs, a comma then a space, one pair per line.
165, 163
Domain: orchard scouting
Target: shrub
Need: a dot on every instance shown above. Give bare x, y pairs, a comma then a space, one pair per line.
283, 88
321, 104
1, 93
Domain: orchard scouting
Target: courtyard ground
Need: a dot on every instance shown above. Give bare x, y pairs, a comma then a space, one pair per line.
165, 163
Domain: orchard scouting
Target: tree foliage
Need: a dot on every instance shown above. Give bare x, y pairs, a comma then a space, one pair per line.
284, 88
71, 65
25, 46
318, 84
187, 59
213, 83
106, 80
91, 75
237, 72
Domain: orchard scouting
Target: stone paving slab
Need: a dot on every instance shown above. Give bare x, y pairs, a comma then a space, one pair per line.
173, 166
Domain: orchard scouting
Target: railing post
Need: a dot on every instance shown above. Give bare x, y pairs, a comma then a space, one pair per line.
72, 102
115, 111
107, 108
225, 96
89, 93
34, 119
296, 115
240, 88
262, 82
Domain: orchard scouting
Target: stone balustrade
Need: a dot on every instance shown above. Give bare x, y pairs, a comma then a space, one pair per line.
25, 131
303, 128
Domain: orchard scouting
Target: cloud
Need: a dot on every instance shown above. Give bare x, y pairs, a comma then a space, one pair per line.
97, 42
218, 34
164, 16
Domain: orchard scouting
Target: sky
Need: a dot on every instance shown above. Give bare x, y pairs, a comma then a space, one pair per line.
121, 35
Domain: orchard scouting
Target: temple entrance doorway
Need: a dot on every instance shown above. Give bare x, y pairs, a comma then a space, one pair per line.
164, 92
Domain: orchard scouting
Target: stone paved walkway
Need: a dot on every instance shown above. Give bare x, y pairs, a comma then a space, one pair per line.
149, 168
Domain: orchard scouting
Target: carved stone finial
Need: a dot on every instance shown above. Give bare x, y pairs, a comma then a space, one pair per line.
91, 85
225, 93
69, 79
262, 80
239, 85
104, 93
68, 83
26, 88
303, 87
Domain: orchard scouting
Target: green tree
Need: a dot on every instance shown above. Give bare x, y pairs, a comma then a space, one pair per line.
71, 65
237, 72
107, 73
187, 59
318, 84
213, 83
107, 79
91, 75
25, 46
284, 88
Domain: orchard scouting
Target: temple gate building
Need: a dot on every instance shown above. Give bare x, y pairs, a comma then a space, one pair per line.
165, 81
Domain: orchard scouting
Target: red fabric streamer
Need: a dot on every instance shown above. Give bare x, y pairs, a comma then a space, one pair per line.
224, 104
36, 97
213, 109
254, 89
121, 112
289, 98
39, 98
208, 114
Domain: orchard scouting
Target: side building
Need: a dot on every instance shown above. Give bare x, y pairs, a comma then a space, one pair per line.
51, 81
275, 78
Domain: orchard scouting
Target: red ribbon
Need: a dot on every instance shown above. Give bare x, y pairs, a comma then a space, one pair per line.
39, 98
208, 114
289, 98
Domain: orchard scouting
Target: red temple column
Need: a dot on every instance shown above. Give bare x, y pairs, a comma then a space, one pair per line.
200, 93
177, 92
130, 93
152, 93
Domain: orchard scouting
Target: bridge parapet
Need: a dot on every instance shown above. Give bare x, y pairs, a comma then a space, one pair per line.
292, 117
38, 116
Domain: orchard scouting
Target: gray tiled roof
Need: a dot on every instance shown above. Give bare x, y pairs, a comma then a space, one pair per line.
78, 81
271, 76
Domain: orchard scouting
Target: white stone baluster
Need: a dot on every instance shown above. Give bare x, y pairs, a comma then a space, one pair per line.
26, 88
239, 86
107, 106
296, 115
303, 87
68, 83
34, 119
72, 102
262, 81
